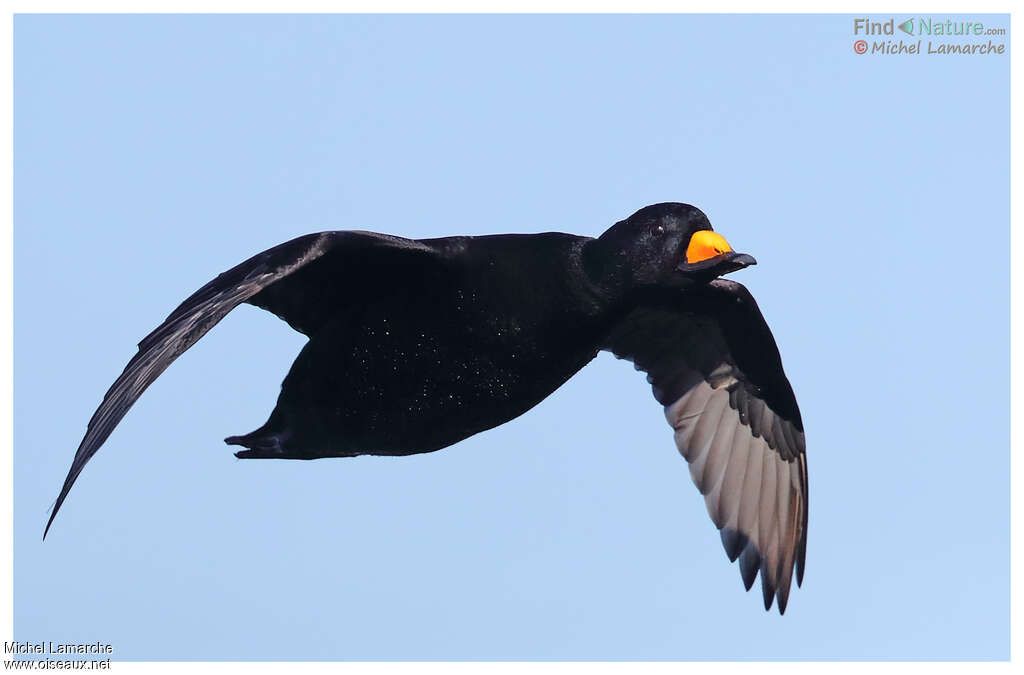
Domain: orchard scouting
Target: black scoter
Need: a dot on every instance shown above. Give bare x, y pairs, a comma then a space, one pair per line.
416, 344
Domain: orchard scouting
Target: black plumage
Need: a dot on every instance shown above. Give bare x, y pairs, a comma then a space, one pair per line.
417, 344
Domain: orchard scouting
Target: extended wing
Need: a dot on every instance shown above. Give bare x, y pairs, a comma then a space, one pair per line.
714, 365
302, 281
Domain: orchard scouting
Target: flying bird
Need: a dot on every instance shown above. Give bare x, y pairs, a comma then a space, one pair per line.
417, 344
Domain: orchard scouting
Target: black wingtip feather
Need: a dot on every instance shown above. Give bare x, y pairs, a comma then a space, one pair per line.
76, 468
750, 562
767, 588
49, 522
734, 542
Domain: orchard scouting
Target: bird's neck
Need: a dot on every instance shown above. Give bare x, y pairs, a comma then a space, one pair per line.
607, 272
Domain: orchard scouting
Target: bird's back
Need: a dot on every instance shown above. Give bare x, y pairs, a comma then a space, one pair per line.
443, 350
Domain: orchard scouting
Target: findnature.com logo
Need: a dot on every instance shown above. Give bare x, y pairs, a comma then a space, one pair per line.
950, 37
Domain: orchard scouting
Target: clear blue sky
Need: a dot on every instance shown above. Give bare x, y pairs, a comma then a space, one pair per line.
152, 153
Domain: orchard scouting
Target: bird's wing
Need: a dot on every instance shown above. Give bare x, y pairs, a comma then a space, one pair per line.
294, 280
714, 365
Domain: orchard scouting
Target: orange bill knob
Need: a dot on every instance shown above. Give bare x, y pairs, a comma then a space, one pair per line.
706, 244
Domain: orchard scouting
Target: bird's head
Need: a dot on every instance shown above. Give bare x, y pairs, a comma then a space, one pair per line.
668, 245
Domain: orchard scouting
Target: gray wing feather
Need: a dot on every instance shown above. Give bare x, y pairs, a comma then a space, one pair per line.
746, 458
